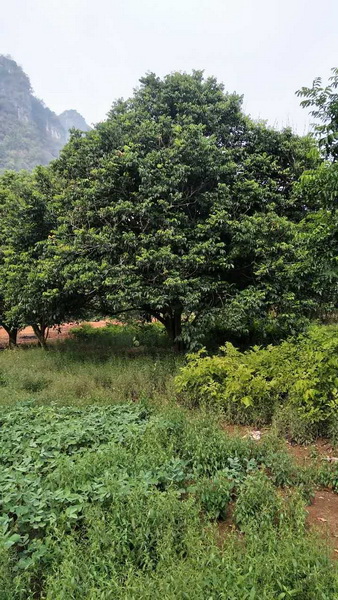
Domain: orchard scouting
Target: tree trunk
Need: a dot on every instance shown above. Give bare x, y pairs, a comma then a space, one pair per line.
12, 335
173, 325
41, 332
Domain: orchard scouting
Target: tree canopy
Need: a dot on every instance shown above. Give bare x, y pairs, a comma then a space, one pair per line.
33, 286
155, 198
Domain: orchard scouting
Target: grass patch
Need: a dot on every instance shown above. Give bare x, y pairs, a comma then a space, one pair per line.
148, 338
78, 372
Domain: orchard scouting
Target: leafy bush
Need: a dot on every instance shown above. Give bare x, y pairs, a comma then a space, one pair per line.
248, 387
289, 421
233, 378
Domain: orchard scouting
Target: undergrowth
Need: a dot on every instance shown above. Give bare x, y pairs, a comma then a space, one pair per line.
82, 371
119, 493
110, 502
294, 384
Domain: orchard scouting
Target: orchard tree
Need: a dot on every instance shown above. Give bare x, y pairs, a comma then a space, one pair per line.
10, 324
317, 239
317, 267
36, 293
154, 198
33, 288
296, 262
25, 223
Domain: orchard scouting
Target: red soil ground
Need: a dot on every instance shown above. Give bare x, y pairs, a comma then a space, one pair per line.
323, 515
26, 336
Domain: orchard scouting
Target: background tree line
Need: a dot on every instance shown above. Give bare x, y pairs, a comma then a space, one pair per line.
181, 208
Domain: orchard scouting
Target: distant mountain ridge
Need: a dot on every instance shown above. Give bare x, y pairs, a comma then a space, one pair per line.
30, 133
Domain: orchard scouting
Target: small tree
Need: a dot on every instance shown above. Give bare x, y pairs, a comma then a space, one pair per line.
317, 239
37, 294
11, 326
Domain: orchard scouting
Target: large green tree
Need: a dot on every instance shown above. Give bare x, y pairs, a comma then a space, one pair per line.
316, 267
154, 198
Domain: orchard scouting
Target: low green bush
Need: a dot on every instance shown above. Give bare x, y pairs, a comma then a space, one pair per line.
299, 375
214, 494
289, 422
258, 503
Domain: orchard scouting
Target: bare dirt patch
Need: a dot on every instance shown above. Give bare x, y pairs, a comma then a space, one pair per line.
244, 431
304, 455
323, 516
226, 526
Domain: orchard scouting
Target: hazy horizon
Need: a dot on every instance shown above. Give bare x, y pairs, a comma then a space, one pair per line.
83, 55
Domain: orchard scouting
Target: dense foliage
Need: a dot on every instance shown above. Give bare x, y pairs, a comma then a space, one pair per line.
163, 202
32, 285
324, 103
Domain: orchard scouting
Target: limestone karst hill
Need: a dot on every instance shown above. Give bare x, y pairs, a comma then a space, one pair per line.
30, 133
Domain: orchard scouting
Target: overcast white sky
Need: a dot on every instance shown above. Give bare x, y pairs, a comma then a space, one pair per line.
85, 53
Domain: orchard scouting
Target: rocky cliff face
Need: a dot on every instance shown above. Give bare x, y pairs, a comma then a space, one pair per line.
30, 133
70, 119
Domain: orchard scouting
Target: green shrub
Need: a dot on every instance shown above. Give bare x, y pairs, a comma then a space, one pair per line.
35, 383
250, 386
333, 429
289, 421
